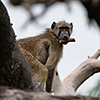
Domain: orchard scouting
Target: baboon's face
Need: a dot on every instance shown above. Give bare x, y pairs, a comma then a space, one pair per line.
62, 30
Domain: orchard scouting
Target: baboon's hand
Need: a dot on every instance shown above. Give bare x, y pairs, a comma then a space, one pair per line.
66, 41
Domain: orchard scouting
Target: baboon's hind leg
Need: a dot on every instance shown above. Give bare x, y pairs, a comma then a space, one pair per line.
39, 71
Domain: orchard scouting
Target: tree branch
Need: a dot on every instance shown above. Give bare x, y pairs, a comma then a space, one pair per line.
96, 55
71, 83
15, 94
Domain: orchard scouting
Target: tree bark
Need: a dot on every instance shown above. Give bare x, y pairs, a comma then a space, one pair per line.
15, 94
14, 69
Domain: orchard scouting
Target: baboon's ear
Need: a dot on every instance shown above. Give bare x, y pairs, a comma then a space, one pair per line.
53, 25
71, 25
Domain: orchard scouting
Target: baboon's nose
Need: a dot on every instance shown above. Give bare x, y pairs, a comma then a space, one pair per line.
65, 38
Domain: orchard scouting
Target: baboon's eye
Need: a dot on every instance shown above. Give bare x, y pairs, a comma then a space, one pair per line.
67, 28
61, 28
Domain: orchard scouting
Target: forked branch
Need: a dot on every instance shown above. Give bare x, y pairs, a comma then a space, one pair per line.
71, 83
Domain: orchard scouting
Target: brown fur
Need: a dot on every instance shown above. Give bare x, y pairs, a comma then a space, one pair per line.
43, 53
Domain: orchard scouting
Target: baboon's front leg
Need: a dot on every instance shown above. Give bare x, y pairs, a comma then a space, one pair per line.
49, 81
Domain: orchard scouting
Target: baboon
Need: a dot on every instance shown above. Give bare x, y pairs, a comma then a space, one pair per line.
44, 51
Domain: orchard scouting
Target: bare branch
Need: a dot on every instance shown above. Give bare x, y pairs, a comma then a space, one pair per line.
96, 55
71, 83
58, 87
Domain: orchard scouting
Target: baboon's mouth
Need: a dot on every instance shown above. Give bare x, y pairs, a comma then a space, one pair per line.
63, 41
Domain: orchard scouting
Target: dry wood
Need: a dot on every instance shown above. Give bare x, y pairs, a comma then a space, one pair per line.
66, 41
71, 83
15, 94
